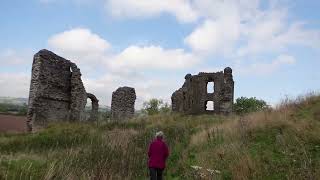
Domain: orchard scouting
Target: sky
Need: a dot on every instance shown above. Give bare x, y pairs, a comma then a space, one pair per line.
271, 45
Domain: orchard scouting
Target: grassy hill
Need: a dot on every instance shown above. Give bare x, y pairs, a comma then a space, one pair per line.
283, 143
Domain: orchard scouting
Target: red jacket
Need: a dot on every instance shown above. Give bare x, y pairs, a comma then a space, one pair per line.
158, 154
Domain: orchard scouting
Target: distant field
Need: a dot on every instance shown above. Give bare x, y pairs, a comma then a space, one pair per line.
10, 123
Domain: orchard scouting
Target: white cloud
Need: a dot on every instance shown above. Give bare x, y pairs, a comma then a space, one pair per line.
215, 36
223, 25
12, 58
14, 84
125, 68
298, 35
152, 57
229, 27
242, 28
15, 75
145, 87
181, 9
237, 29
80, 45
243, 9
87, 48
78, 42
272, 33
260, 68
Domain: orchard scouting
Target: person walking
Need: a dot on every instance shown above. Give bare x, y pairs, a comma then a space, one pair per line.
158, 153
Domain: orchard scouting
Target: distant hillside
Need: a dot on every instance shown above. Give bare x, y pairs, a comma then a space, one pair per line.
13, 100
22, 101
102, 108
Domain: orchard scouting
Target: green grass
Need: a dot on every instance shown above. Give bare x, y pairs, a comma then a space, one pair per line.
280, 144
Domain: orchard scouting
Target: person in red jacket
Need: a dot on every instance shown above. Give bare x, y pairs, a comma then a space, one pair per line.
158, 154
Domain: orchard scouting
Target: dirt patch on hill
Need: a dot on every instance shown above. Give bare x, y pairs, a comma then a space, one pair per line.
10, 123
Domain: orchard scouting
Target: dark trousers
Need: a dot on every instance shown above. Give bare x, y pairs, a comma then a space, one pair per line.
155, 173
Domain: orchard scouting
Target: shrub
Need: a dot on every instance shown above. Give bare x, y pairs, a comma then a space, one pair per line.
155, 106
246, 105
14, 108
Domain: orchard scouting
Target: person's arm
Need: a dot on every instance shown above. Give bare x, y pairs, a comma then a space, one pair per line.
149, 151
166, 151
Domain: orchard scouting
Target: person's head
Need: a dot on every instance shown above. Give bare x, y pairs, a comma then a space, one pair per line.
159, 135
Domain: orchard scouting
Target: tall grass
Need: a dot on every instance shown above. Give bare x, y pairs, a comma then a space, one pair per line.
282, 143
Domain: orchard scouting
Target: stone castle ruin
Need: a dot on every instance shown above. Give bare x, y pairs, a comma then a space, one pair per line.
122, 105
194, 98
56, 92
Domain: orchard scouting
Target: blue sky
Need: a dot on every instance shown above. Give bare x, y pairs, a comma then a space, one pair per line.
272, 45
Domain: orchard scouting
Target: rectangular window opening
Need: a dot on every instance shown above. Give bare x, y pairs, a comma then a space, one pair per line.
210, 87
209, 106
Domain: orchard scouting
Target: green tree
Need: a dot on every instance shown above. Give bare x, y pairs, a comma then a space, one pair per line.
245, 105
165, 108
155, 106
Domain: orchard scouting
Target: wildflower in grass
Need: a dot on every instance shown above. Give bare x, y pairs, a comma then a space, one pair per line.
202, 175
217, 171
213, 171
196, 167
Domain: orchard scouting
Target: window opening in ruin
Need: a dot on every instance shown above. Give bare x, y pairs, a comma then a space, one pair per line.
210, 87
88, 108
89, 104
210, 106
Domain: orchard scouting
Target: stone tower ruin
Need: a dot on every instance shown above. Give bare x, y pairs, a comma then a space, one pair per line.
194, 98
56, 91
122, 105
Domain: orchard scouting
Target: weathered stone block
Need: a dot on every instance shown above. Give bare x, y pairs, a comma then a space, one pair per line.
56, 91
122, 105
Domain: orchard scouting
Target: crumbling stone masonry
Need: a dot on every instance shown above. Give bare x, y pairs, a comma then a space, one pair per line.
193, 97
78, 94
122, 105
56, 91
95, 107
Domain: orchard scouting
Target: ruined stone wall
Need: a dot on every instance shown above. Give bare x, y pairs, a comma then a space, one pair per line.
192, 98
95, 107
78, 95
227, 92
122, 105
49, 89
56, 93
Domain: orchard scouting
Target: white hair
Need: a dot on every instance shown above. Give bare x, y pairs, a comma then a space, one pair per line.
159, 134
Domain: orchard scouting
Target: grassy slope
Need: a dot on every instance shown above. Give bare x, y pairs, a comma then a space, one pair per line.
279, 144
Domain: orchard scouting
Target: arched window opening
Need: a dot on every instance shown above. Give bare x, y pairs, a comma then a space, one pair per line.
94, 107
